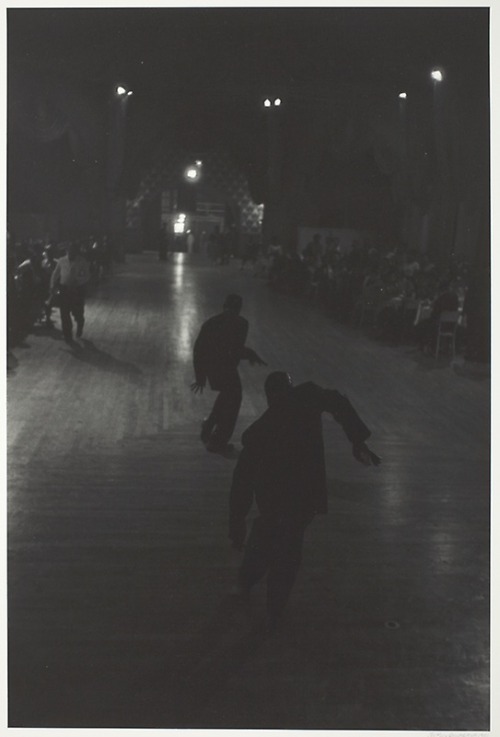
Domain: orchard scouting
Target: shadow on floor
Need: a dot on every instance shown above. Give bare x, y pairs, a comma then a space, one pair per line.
47, 331
154, 444
461, 367
87, 352
198, 671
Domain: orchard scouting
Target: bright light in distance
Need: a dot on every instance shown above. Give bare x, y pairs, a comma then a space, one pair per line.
191, 173
437, 75
129, 93
180, 223
198, 162
402, 95
120, 90
267, 103
277, 102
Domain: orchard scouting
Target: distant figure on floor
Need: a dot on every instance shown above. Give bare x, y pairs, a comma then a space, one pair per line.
190, 241
313, 251
250, 253
71, 274
49, 263
217, 352
29, 279
282, 467
214, 247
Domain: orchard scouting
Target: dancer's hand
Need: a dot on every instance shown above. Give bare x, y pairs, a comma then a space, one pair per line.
254, 358
197, 387
364, 455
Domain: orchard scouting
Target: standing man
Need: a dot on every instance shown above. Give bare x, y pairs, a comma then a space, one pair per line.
71, 274
282, 467
49, 263
217, 352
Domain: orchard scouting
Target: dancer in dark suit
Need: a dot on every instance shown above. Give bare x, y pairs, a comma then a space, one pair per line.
282, 467
217, 352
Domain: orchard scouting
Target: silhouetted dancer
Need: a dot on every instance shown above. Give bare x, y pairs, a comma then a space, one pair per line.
282, 467
217, 352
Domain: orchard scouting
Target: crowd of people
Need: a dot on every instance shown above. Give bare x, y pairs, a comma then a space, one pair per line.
398, 295
32, 293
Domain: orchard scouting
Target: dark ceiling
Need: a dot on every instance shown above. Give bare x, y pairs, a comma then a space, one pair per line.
245, 50
199, 74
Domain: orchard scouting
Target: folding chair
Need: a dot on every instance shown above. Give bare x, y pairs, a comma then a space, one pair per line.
447, 330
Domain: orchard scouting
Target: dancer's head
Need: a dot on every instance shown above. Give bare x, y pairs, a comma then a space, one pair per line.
277, 384
233, 303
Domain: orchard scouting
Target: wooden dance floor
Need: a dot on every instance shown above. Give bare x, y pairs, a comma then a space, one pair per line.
120, 569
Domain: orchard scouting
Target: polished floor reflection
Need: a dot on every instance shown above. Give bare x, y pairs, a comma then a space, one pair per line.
119, 563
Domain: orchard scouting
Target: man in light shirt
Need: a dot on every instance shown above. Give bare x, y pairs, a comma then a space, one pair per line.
70, 276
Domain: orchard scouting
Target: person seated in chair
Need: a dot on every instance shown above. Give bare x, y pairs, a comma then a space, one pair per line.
426, 331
